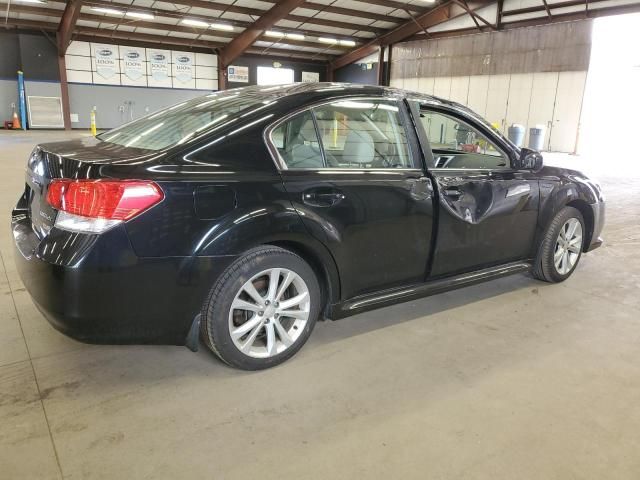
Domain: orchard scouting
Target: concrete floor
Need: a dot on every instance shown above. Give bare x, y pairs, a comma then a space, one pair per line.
505, 380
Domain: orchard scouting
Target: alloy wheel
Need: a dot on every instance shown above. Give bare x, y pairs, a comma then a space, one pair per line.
269, 313
568, 246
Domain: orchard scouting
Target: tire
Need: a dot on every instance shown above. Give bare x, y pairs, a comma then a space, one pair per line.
241, 301
551, 265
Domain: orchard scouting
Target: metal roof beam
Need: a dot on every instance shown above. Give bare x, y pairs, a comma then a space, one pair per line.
234, 49
67, 24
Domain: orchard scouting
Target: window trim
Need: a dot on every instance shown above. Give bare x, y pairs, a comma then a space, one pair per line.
281, 164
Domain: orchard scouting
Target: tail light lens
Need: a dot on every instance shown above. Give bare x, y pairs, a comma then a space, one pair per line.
93, 206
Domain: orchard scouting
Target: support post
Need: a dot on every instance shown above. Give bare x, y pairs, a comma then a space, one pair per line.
222, 76
64, 90
381, 74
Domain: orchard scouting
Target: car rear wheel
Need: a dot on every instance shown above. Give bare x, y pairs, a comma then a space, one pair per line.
561, 247
262, 310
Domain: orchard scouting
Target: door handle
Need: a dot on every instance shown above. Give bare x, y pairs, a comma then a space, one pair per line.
421, 188
322, 199
452, 192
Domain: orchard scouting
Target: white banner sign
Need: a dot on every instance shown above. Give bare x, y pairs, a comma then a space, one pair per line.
106, 58
159, 62
183, 66
238, 74
310, 77
133, 60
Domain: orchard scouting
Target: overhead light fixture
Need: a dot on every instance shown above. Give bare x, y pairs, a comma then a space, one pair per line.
295, 36
110, 11
429, 1
348, 43
32, 1
143, 16
195, 23
222, 26
273, 33
327, 40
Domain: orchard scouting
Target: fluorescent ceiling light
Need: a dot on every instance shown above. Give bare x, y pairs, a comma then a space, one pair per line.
32, 1
111, 11
222, 26
327, 40
195, 23
143, 16
429, 1
348, 43
295, 36
273, 33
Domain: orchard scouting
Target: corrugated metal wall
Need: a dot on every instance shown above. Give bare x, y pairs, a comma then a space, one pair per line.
560, 47
531, 76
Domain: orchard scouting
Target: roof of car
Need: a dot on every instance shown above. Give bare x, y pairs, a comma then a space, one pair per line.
335, 88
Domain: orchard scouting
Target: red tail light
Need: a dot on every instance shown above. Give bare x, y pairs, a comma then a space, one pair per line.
106, 199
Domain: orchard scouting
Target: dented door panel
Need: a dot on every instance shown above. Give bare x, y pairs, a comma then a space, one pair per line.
485, 217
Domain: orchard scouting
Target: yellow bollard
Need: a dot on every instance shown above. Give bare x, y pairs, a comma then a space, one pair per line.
93, 122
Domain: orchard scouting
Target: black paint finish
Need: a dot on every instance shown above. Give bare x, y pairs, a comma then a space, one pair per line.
374, 237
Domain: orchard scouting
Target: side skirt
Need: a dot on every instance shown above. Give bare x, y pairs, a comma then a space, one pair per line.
385, 298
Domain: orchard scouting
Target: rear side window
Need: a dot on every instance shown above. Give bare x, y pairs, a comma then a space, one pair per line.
297, 142
345, 134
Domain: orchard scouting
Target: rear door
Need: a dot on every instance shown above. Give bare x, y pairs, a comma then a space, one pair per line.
487, 210
354, 174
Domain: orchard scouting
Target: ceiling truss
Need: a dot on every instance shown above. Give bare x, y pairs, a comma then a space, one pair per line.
369, 24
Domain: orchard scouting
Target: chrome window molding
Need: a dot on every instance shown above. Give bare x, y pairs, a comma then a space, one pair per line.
282, 166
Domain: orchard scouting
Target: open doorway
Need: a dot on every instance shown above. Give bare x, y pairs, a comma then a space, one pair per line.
274, 76
609, 135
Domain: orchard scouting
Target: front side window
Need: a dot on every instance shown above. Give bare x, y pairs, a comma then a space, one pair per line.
345, 134
457, 144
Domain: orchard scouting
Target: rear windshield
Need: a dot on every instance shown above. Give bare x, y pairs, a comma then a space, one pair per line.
180, 123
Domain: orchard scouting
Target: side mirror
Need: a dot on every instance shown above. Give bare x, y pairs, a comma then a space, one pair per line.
529, 160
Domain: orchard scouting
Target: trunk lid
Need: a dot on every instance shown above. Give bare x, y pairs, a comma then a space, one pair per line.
80, 158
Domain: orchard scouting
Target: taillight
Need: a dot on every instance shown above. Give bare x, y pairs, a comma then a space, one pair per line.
96, 205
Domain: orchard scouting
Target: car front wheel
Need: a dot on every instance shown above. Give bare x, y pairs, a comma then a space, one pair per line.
561, 246
262, 310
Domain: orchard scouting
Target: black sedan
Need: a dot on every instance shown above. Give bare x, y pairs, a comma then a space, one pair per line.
245, 215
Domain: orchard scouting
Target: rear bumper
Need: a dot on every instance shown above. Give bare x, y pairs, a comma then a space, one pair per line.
95, 289
596, 240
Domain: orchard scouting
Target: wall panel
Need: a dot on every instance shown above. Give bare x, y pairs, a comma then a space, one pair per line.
478, 90
497, 98
543, 97
566, 111
459, 89
520, 88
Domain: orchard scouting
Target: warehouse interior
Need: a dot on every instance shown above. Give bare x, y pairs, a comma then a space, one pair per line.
509, 379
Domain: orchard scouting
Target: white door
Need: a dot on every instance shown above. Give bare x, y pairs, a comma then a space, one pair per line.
519, 99
459, 89
478, 88
566, 113
425, 85
497, 96
543, 97
442, 87
411, 84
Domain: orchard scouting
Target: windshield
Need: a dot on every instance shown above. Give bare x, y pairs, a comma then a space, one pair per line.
180, 123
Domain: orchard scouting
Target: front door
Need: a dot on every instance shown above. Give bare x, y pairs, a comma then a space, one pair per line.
488, 211
353, 173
